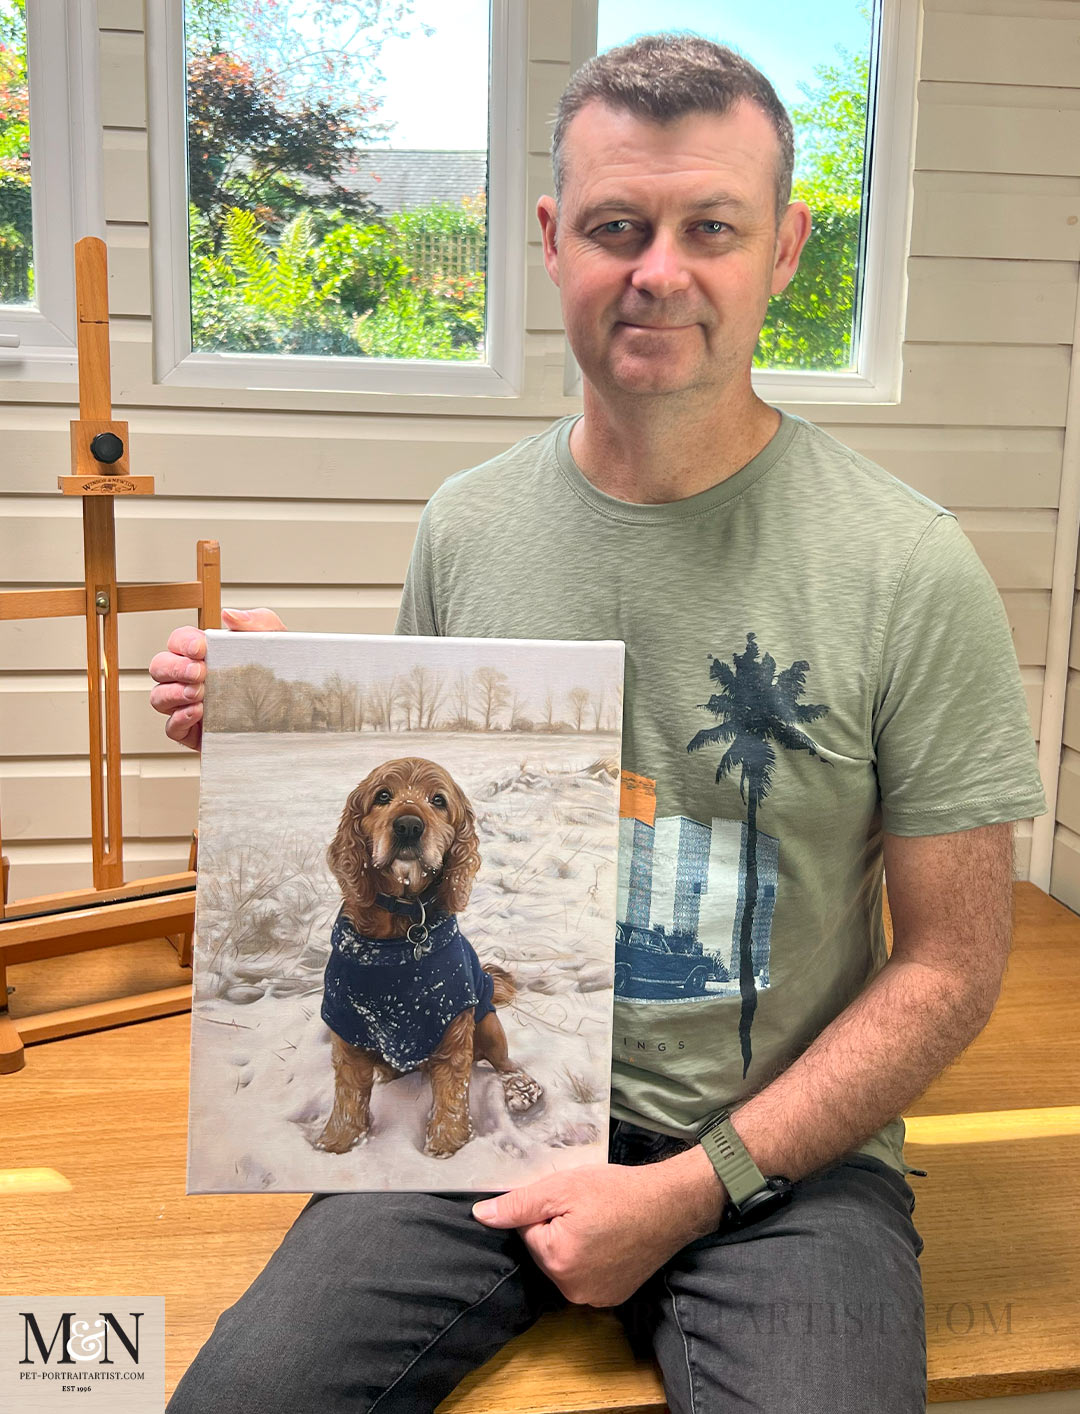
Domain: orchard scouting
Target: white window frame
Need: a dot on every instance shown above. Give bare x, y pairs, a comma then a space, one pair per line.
66, 182
175, 365
893, 77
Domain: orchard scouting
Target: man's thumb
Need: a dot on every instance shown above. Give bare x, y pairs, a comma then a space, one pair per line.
253, 620
517, 1208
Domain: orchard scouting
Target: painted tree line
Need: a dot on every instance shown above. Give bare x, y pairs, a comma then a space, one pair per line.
253, 698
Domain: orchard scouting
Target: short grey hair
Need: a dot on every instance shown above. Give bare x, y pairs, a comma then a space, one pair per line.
664, 77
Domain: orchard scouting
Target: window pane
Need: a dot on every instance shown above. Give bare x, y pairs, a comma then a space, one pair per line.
818, 59
16, 221
337, 166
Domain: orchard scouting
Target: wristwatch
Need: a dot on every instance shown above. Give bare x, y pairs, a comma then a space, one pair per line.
750, 1193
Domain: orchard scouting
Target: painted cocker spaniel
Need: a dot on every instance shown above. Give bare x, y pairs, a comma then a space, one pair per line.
404, 989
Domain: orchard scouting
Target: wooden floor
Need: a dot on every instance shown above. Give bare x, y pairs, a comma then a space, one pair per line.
103, 1117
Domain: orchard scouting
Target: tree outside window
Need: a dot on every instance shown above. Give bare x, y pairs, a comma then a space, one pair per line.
294, 247
16, 219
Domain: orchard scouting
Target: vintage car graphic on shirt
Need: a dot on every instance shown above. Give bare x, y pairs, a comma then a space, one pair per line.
696, 900
681, 902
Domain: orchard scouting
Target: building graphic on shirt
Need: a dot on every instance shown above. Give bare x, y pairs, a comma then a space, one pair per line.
681, 900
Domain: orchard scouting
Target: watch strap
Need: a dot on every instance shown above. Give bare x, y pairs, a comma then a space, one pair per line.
730, 1158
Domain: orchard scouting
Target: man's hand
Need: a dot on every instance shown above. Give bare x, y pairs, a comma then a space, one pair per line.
598, 1232
180, 673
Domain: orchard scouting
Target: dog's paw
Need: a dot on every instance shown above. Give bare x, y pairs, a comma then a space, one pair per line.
340, 1141
521, 1091
441, 1143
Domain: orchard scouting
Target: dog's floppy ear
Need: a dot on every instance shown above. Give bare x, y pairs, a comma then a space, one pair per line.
349, 857
462, 860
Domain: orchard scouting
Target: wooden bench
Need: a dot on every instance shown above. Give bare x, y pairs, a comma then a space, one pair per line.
96, 1127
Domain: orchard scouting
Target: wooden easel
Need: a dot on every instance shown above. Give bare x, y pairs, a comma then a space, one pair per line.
112, 911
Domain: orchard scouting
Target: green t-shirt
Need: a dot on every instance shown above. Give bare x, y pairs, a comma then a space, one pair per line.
815, 654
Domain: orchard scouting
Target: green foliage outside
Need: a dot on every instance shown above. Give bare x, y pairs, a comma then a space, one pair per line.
350, 291
285, 258
811, 324
16, 222
280, 265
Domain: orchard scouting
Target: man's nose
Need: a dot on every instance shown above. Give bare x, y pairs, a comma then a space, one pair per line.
661, 270
408, 828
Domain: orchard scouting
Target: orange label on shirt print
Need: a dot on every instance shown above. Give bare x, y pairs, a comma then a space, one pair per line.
637, 798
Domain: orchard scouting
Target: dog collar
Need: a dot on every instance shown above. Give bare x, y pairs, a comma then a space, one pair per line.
415, 909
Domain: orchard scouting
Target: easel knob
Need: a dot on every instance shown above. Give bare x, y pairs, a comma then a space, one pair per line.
106, 447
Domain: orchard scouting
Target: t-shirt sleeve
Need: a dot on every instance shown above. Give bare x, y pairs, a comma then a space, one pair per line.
952, 738
417, 613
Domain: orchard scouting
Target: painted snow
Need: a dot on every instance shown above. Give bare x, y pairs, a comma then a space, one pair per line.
542, 905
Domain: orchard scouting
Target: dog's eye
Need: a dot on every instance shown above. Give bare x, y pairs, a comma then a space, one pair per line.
383, 797
439, 800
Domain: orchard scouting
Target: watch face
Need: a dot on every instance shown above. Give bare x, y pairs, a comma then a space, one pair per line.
774, 1196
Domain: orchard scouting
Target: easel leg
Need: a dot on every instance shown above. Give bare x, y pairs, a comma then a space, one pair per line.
12, 1056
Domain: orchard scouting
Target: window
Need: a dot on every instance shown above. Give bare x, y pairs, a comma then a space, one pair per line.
50, 180
328, 205
845, 72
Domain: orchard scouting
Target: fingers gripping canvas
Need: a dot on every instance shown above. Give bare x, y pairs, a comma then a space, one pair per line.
405, 912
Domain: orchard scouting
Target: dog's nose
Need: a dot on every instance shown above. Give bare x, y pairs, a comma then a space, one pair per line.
408, 828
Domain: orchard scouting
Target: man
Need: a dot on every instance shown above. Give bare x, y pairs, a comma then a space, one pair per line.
746, 558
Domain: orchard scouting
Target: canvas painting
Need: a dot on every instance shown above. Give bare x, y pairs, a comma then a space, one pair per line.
405, 912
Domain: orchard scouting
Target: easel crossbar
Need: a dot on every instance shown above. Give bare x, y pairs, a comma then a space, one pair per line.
54, 935
71, 603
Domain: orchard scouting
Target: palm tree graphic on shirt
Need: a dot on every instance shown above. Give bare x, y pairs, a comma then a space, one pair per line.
755, 706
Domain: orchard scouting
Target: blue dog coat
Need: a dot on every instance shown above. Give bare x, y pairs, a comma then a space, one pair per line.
379, 997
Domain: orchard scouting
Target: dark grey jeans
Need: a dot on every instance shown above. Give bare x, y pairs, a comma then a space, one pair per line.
385, 1301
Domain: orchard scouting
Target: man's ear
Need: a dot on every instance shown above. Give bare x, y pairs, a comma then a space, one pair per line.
548, 215
793, 234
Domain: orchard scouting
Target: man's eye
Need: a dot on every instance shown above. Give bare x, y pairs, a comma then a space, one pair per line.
715, 227
439, 800
383, 797
609, 225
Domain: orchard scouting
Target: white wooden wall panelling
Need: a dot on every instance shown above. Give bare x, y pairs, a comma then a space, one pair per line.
988, 48
52, 645
952, 300
1007, 385
973, 128
127, 196
55, 804
354, 458
549, 30
120, 14
123, 98
294, 542
1012, 385
51, 868
978, 428
256, 455
1017, 547
46, 715
546, 83
1065, 877
1010, 9
129, 270
1008, 216
966, 466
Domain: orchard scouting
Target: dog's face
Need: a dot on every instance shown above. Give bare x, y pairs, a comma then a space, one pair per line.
407, 823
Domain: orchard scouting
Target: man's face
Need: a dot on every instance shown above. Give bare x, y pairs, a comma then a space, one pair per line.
666, 249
